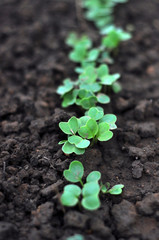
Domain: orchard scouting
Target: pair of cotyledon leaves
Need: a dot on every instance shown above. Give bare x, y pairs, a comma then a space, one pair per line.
95, 125
83, 92
80, 52
90, 191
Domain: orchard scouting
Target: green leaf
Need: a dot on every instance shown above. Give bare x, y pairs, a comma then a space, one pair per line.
75, 172
95, 113
110, 79
90, 193
72, 39
89, 75
91, 202
93, 176
70, 127
78, 54
90, 188
76, 237
69, 148
110, 119
102, 70
69, 98
93, 55
89, 130
78, 141
89, 102
84, 93
62, 142
67, 87
83, 120
103, 188
70, 195
116, 87
116, 190
103, 132
91, 87
103, 98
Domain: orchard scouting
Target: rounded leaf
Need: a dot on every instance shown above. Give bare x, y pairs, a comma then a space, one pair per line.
95, 113
83, 120
91, 188
108, 118
67, 87
116, 190
89, 102
103, 132
75, 172
103, 98
69, 148
89, 130
70, 195
93, 176
91, 202
78, 141
69, 127
102, 70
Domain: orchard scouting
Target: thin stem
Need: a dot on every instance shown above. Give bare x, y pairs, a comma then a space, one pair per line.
94, 141
81, 182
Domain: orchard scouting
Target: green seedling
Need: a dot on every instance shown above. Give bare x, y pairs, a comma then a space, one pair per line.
82, 52
87, 91
113, 37
100, 11
93, 126
89, 194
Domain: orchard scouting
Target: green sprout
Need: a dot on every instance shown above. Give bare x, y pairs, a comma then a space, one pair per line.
93, 126
89, 194
100, 11
113, 37
82, 52
87, 91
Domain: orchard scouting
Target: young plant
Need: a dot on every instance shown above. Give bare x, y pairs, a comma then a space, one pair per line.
82, 51
87, 91
113, 37
93, 126
100, 11
89, 194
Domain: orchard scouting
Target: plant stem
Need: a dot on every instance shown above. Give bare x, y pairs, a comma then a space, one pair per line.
94, 140
81, 182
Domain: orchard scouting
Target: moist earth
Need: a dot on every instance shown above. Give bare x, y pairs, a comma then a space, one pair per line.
33, 62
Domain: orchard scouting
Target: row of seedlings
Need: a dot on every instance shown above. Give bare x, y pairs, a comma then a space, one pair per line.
94, 82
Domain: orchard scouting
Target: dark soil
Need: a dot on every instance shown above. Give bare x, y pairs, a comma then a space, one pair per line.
33, 62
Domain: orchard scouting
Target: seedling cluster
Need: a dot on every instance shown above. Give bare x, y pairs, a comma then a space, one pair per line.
100, 11
92, 86
88, 193
88, 90
93, 126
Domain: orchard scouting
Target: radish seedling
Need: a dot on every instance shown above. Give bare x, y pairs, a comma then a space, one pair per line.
100, 11
87, 90
113, 37
94, 125
89, 194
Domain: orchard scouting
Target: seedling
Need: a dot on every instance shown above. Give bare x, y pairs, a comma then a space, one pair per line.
82, 52
113, 37
93, 126
87, 91
100, 11
89, 194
